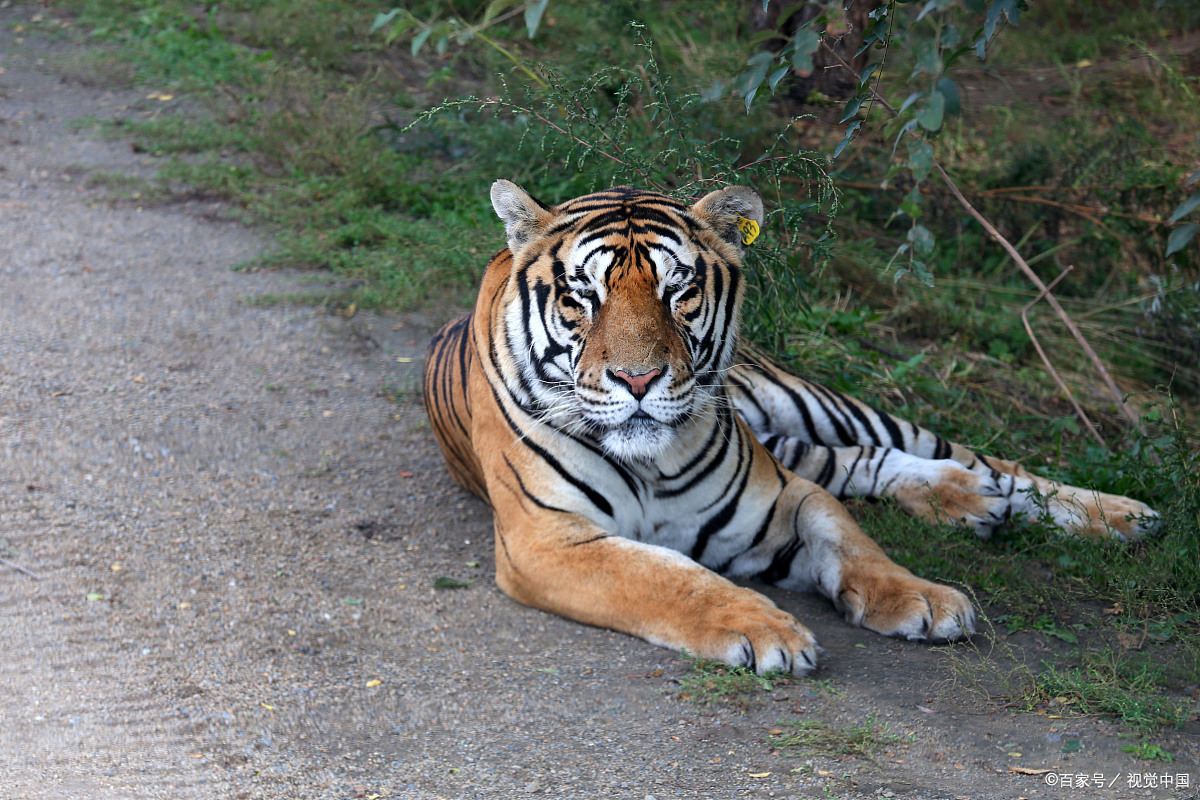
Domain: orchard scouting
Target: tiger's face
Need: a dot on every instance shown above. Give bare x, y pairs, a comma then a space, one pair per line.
623, 310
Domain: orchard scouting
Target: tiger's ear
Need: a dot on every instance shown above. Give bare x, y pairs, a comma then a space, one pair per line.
725, 208
524, 217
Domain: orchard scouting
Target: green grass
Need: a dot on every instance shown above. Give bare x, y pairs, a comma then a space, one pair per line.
1146, 751
809, 737
713, 683
1111, 681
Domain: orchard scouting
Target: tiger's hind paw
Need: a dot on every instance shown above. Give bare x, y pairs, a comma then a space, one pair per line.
947, 492
1087, 512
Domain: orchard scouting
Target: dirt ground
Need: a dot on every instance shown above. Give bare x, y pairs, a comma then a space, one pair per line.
236, 531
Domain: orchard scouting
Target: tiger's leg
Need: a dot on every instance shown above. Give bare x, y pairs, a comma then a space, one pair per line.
939, 490
561, 562
830, 438
1072, 508
814, 545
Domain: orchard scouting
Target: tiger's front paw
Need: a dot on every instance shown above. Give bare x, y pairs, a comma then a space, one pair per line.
892, 601
748, 630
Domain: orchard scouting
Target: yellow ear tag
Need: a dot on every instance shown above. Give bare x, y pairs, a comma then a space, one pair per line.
749, 229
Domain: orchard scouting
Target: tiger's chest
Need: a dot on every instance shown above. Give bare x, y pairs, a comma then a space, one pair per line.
710, 509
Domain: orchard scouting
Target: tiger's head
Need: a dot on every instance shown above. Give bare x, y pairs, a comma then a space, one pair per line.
622, 310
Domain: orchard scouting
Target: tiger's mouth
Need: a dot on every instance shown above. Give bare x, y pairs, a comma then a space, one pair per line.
640, 437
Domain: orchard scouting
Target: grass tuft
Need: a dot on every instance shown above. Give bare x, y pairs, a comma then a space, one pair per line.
712, 683
809, 737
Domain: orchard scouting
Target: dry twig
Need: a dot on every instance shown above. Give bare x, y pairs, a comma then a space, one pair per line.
19, 568
1046, 359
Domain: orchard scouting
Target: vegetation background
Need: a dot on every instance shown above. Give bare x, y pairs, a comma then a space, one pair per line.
366, 139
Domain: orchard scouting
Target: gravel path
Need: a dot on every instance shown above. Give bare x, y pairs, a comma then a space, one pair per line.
237, 530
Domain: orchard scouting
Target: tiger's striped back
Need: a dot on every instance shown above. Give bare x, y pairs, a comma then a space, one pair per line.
447, 396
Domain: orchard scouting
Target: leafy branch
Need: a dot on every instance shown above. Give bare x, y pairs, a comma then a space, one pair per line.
401, 21
629, 124
1180, 236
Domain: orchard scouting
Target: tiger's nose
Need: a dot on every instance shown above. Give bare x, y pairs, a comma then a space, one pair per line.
638, 384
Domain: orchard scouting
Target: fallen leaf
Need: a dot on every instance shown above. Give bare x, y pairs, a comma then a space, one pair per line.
925, 710
451, 583
404, 474
373, 682
267, 707
352, 601
1028, 770
760, 774
93, 596
291, 632
117, 567
472, 563
185, 605
1014, 754
403, 360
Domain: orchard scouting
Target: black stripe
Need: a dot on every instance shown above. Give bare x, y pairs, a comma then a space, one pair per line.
524, 490
781, 564
850, 472
595, 538
718, 521
826, 474
830, 398
719, 431
597, 499
879, 471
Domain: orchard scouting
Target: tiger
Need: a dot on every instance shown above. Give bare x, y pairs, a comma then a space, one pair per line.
636, 457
